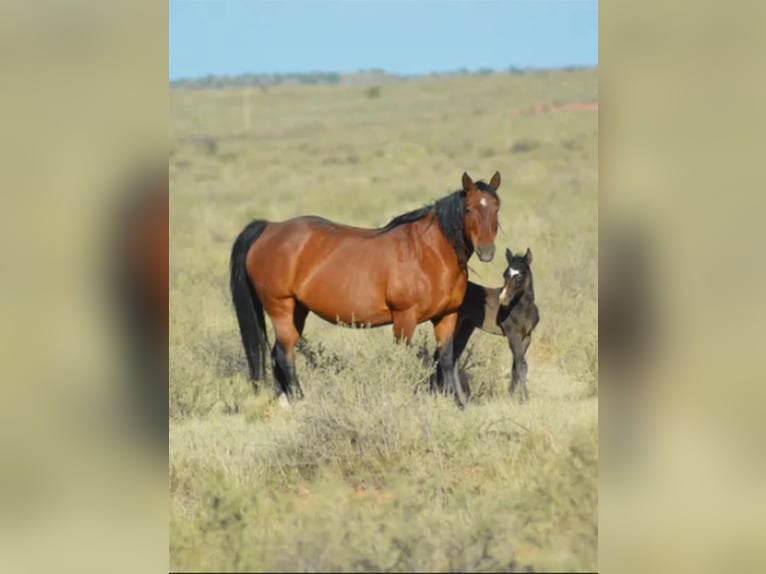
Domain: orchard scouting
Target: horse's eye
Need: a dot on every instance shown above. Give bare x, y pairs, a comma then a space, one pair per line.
468, 211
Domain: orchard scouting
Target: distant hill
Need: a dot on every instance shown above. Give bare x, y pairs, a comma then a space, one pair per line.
373, 76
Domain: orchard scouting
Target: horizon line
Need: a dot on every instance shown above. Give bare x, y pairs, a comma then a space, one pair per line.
383, 71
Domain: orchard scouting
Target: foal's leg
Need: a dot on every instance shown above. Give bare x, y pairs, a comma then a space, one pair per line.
523, 367
519, 346
515, 344
444, 330
282, 313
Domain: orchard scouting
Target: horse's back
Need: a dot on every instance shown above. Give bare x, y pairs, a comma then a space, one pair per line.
324, 225
336, 270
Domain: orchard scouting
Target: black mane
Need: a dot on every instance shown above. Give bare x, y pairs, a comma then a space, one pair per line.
450, 211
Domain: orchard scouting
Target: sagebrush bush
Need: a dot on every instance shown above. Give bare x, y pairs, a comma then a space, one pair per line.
425, 509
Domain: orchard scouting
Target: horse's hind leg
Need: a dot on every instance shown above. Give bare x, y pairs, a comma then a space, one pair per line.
283, 316
299, 317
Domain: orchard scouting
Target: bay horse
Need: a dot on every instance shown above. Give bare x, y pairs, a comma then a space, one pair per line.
508, 311
412, 270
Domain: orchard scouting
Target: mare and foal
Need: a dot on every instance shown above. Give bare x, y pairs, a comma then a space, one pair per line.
412, 270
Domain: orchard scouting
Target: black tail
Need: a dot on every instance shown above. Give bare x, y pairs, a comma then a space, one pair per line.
252, 326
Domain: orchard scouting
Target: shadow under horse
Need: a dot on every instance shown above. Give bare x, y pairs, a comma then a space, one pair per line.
412, 270
508, 311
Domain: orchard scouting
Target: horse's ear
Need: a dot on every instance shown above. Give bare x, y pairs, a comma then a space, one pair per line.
508, 254
495, 181
528, 256
468, 185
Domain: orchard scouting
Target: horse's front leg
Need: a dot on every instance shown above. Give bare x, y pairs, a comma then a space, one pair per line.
404, 323
463, 333
444, 330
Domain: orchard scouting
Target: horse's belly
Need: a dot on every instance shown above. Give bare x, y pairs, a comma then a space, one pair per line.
345, 301
359, 319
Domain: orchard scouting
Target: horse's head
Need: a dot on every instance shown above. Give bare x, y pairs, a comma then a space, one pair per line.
480, 218
517, 275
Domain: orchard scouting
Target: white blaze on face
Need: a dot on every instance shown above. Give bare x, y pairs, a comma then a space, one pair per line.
511, 274
483, 202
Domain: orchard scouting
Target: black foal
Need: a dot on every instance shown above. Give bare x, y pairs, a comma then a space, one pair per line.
509, 311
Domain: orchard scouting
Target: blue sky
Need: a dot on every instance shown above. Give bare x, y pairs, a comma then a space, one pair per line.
403, 36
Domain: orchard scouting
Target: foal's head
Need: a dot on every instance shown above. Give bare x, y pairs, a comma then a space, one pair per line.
517, 275
480, 218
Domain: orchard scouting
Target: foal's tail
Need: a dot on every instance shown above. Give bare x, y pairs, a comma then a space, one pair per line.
252, 326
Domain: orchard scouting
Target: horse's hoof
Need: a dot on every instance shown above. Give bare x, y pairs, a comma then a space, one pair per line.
283, 402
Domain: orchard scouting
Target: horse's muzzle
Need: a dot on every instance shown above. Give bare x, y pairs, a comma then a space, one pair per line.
485, 252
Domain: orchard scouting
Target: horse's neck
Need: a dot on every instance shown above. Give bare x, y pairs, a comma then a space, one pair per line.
429, 228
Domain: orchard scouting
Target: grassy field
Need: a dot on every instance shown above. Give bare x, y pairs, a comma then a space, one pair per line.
371, 472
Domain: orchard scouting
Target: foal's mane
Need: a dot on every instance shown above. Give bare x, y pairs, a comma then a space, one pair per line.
449, 211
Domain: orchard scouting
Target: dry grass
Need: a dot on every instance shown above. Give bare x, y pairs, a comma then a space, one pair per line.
371, 472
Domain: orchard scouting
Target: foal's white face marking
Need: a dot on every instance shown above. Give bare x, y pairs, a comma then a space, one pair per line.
510, 274
483, 202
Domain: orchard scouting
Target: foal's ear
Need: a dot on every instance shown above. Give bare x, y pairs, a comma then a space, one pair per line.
528, 256
495, 181
468, 184
508, 254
